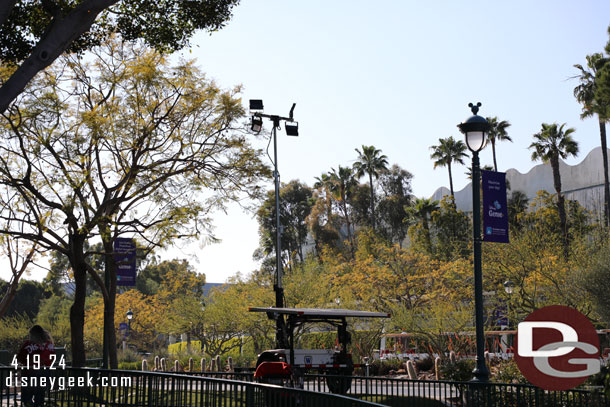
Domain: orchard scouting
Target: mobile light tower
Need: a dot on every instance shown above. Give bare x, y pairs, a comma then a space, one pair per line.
474, 129
292, 129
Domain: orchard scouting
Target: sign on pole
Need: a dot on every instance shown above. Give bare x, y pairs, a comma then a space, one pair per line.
125, 258
495, 212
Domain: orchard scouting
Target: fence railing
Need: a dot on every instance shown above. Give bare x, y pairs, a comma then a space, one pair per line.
98, 387
394, 391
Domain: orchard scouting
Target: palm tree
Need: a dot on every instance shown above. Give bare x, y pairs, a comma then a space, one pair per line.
447, 152
422, 209
517, 204
585, 94
342, 183
372, 162
551, 143
497, 132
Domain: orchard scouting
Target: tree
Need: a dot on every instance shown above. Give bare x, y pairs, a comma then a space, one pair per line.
370, 161
19, 259
597, 284
551, 143
447, 152
26, 298
122, 145
343, 182
149, 314
452, 230
585, 93
35, 33
497, 132
395, 185
295, 206
422, 210
517, 206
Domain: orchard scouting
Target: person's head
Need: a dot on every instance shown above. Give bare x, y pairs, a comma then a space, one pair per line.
38, 334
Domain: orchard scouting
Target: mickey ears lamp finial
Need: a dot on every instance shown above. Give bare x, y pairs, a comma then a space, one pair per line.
474, 109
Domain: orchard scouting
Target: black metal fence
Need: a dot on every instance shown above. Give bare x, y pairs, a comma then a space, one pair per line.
96, 387
425, 393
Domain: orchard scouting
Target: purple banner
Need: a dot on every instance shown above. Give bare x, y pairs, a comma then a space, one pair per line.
495, 212
125, 257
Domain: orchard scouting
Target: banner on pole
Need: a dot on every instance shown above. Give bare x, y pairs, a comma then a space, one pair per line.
125, 258
495, 212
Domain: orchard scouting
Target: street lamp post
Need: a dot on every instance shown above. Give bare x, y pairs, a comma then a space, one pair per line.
292, 129
474, 129
129, 318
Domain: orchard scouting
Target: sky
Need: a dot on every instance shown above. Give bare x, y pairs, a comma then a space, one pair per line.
398, 75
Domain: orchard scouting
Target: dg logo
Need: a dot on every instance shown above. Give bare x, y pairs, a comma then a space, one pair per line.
557, 348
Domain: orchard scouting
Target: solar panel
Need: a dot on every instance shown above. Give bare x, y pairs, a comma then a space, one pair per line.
319, 312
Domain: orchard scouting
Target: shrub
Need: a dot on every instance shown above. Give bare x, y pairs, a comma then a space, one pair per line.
383, 367
424, 365
507, 371
459, 371
13, 332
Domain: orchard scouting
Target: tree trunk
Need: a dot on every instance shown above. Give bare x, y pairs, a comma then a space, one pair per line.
8, 297
560, 205
451, 183
493, 152
372, 200
60, 35
77, 310
602, 133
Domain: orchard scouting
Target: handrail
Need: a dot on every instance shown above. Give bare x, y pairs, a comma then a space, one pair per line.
131, 388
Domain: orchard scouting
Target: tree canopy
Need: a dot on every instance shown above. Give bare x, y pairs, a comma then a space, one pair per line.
33, 34
123, 144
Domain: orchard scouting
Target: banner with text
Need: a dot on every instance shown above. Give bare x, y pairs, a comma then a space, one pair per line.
125, 258
495, 212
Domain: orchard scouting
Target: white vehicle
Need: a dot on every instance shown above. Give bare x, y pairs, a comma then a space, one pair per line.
286, 365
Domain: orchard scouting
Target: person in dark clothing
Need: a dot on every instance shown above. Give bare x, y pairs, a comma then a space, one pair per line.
39, 343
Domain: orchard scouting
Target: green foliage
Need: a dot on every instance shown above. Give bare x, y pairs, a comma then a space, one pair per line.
372, 163
165, 25
54, 316
295, 206
451, 230
27, 298
507, 371
383, 367
458, 371
395, 184
13, 332
130, 365
597, 284
447, 152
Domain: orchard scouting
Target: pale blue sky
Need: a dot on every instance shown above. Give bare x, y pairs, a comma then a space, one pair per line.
398, 76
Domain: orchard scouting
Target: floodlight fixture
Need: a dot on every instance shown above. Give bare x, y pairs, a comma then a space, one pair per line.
256, 104
292, 129
257, 124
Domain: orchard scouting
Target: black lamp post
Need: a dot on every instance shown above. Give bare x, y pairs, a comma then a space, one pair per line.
129, 317
474, 129
292, 129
